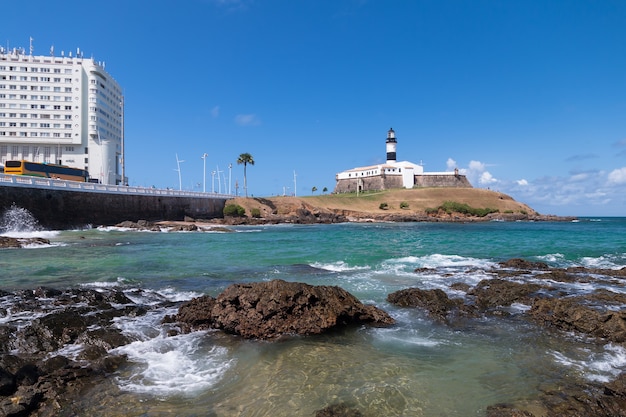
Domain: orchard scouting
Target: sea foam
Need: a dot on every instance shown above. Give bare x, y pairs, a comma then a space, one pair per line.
178, 365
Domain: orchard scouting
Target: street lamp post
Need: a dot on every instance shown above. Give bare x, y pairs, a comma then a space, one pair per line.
212, 181
204, 155
230, 172
180, 179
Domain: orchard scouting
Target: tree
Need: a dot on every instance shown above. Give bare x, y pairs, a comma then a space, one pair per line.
325, 190
245, 159
314, 189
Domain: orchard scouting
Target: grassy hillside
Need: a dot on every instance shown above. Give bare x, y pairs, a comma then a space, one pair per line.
419, 200
401, 201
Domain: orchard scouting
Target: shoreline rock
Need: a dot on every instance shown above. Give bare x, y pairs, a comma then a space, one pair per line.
269, 310
598, 315
37, 381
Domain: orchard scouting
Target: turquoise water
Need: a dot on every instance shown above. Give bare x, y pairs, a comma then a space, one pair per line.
416, 368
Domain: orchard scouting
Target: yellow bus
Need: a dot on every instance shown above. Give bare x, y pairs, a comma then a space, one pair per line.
36, 169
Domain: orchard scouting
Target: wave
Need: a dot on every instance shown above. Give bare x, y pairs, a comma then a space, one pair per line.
339, 266
602, 366
607, 261
176, 365
437, 260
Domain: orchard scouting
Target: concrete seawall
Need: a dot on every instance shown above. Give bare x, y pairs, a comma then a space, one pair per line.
56, 205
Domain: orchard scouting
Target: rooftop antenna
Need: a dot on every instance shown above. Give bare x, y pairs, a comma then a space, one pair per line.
31, 45
180, 180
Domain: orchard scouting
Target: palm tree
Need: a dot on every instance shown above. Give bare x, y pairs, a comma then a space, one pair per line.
314, 189
245, 159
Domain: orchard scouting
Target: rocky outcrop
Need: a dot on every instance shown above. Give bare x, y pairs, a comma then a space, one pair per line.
12, 242
267, 310
494, 293
34, 378
598, 315
436, 302
584, 315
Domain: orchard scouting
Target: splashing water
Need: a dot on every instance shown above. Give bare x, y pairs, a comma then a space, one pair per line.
18, 219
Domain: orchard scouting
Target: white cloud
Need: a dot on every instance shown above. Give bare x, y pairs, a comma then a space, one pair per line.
247, 120
215, 112
522, 182
486, 178
476, 166
476, 172
617, 176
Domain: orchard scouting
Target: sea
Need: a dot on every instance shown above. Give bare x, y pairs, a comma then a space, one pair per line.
418, 367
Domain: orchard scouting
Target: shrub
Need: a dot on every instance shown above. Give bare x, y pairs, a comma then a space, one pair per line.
455, 207
383, 206
404, 205
234, 210
255, 212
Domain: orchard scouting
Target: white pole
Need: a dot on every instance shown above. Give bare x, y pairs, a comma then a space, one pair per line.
230, 172
294, 184
204, 155
180, 179
219, 182
212, 181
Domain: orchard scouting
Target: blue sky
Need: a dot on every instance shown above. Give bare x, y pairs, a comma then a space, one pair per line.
526, 97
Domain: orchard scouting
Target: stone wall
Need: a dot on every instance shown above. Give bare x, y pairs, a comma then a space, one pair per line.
442, 181
63, 209
388, 182
381, 182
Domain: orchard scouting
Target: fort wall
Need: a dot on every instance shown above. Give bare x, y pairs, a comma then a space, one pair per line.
377, 183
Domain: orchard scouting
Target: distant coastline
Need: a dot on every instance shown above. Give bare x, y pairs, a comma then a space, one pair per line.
398, 205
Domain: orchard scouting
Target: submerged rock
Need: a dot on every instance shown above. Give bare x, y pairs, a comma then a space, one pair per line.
14, 242
35, 379
578, 314
493, 293
267, 310
338, 410
436, 301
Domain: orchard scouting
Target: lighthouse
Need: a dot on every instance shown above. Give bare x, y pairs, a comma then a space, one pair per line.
391, 146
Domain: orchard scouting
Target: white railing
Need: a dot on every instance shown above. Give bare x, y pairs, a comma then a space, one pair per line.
55, 184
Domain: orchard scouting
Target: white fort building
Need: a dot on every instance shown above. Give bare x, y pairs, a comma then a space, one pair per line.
395, 174
63, 110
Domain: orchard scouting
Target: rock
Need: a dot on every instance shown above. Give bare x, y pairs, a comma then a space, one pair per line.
196, 314
589, 400
338, 410
493, 293
13, 242
517, 263
576, 314
33, 383
267, 310
436, 301
503, 410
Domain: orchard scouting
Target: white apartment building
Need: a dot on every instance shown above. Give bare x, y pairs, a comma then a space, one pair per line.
64, 110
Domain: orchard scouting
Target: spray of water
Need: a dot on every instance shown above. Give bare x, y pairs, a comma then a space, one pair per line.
18, 219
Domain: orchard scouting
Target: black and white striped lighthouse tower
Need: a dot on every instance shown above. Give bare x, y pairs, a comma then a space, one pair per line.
391, 146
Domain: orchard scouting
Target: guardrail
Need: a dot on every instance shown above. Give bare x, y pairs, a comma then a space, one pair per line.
55, 184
